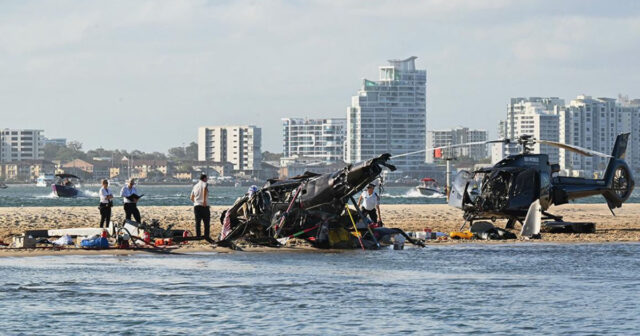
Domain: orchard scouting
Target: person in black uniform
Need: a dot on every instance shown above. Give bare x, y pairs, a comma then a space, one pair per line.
131, 203
106, 202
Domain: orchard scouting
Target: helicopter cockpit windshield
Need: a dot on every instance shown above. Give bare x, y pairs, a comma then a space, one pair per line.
459, 187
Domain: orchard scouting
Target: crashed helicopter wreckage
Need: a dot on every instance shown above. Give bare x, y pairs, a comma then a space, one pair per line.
312, 207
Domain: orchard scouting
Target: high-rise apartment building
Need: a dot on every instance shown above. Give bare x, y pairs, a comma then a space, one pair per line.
389, 116
534, 116
21, 144
239, 145
314, 138
456, 136
594, 123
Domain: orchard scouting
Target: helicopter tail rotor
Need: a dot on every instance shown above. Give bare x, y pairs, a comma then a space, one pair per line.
618, 177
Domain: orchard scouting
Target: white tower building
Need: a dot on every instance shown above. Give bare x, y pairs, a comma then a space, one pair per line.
389, 116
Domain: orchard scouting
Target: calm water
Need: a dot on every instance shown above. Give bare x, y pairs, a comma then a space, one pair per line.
30, 195
506, 289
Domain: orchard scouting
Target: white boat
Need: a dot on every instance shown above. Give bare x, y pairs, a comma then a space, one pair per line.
115, 183
45, 180
429, 187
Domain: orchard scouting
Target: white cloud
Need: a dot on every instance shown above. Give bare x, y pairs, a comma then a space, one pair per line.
175, 64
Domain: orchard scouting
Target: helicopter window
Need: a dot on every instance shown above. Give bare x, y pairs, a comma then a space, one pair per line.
545, 180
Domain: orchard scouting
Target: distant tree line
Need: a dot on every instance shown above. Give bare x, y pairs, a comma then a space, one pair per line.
73, 150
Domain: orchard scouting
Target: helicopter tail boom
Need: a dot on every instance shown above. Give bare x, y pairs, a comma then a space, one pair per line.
615, 187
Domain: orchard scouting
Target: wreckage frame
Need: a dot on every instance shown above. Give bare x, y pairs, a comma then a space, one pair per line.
312, 207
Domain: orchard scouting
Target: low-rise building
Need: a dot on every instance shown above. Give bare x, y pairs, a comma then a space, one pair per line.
210, 168
77, 167
25, 170
143, 169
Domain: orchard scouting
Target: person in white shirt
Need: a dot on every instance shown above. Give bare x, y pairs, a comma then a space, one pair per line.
370, 203
106, 203
130, 204
199, 197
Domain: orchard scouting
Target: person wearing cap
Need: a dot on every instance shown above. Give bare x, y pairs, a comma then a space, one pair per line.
106, 202
370, 203
199, 197
130, 203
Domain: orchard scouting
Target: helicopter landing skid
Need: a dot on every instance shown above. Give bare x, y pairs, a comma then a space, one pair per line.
511, 222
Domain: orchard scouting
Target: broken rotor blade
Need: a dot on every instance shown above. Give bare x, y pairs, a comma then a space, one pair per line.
453, 146
575, 149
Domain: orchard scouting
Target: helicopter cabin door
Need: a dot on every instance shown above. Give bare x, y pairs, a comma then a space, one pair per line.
524, 190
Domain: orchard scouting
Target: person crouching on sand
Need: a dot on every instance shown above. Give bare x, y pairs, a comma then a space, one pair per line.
370, 204
199, 197
130, 197
106, 202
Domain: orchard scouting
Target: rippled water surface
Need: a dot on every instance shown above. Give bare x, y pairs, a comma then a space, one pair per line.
503, 289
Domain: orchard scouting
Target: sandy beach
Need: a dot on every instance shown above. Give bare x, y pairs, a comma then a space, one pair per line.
624, 227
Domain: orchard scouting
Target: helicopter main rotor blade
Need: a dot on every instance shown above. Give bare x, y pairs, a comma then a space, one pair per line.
575, 149
453, 146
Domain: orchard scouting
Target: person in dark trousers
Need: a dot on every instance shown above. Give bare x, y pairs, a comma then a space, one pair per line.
130, 203
106, 202
199, 197
370, 204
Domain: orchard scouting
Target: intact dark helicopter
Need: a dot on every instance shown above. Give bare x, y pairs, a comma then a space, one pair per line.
525, 185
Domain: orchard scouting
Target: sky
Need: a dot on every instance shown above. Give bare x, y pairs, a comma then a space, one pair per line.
146, 74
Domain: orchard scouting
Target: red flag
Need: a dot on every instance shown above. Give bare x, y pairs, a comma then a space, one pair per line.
437, 153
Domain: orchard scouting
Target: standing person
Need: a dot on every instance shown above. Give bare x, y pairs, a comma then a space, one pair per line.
199, 197
370, 203
106, 202
130, 197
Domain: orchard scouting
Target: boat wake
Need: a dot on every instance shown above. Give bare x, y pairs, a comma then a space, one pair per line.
88, 193
412, 193
49, 195
81, 193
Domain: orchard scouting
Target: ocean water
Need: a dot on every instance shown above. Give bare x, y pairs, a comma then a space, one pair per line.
30, 195
517, 289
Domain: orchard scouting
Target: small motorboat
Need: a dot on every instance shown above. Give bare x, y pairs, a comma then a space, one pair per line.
3, 186
429, 187
65, 185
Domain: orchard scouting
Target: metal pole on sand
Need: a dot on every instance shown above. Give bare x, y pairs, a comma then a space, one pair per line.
354, 226
367, 220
